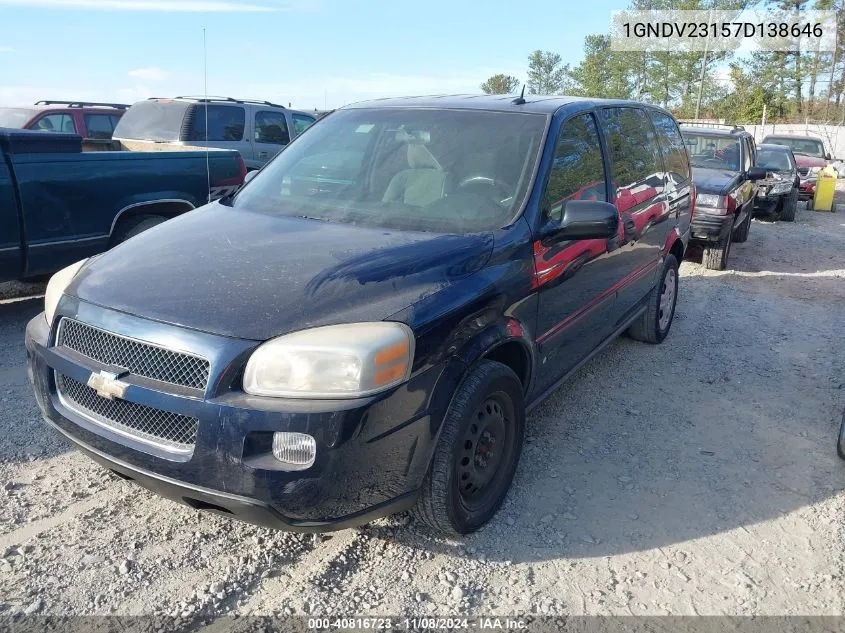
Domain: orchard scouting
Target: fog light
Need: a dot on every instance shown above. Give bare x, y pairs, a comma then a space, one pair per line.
297, 450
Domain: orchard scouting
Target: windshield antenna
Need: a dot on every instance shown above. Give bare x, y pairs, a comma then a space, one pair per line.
520, 100
205, 108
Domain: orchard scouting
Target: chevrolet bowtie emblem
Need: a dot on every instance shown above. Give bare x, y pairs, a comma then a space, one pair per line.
107, 385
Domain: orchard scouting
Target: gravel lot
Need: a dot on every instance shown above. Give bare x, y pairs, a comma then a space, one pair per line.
695, 477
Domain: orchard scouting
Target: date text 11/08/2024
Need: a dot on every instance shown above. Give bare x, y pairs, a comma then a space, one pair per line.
493, 623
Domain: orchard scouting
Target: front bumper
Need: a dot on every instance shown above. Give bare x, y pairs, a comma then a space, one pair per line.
710, 228
807, 189
372, 453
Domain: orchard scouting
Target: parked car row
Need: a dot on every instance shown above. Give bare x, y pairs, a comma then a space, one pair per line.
737, 179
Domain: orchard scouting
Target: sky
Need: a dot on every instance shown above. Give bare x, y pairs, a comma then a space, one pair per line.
310, 53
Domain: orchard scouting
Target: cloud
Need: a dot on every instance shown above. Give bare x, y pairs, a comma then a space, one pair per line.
150, 74
172, 6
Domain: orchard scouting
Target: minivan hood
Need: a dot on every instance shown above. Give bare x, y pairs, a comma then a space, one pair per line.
713, 180
251, 275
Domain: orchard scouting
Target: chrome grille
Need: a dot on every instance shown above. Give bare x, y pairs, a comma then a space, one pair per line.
171, 431
138, 357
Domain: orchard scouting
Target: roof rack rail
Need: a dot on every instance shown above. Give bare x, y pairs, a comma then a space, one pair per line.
84, 104
210, 98
730, 126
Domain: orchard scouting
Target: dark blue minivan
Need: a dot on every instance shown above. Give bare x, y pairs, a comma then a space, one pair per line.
361, 328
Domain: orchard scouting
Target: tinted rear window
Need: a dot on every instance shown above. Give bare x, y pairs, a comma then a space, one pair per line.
16, 117
225, 123
152, 121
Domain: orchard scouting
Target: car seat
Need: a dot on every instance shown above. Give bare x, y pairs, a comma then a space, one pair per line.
421, 184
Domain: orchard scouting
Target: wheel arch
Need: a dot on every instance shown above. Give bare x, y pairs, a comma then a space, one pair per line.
168, 208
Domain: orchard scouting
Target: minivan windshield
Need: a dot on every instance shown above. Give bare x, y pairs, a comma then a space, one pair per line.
712, 152
806, 146
152, 120
432, 170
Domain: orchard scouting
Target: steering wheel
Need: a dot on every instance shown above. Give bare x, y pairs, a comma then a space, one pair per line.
503, 190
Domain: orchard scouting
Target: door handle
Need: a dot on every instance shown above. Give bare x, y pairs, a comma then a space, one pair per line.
262, 154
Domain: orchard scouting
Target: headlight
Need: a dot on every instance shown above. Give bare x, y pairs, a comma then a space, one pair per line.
56, 286
813, 172
336, 361
708, 200
781, 187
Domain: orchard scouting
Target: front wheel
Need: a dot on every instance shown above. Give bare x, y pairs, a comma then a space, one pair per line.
840, 445
477, 452
653, 325
788, 207
740, 233
715, 256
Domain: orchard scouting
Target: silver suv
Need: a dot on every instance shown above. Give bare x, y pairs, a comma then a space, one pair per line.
257, 129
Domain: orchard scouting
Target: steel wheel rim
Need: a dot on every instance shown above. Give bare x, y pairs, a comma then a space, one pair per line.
667, 298
485, 450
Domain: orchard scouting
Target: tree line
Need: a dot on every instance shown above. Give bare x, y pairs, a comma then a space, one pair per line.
793, 86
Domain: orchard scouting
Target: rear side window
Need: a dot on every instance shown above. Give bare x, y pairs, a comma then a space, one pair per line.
99, 125
672, 143
577, 170
225, 123
635, 155
271, 127
152, 120
301, 122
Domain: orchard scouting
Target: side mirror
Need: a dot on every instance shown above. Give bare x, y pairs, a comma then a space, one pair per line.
585, 220
250, 175
756, 173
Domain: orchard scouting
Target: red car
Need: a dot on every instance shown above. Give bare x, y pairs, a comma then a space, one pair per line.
810, 156
88, 120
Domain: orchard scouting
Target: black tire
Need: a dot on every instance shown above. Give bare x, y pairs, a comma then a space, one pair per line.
443, 505
788, 207
740, 233
648, 327
715, 256
840, 445
134, 226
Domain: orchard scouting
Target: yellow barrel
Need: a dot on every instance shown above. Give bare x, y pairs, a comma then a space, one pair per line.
825, 189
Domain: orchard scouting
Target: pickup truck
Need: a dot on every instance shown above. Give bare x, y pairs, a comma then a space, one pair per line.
58, 204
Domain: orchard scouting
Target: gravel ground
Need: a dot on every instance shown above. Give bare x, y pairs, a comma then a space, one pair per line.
694, 477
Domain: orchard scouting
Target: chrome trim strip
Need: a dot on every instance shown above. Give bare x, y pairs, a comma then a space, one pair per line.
148, 203
106, 424
127, 338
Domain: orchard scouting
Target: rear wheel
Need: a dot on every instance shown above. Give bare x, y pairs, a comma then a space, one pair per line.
788, 207
715, 256
477, 452
138, 224
654, 324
